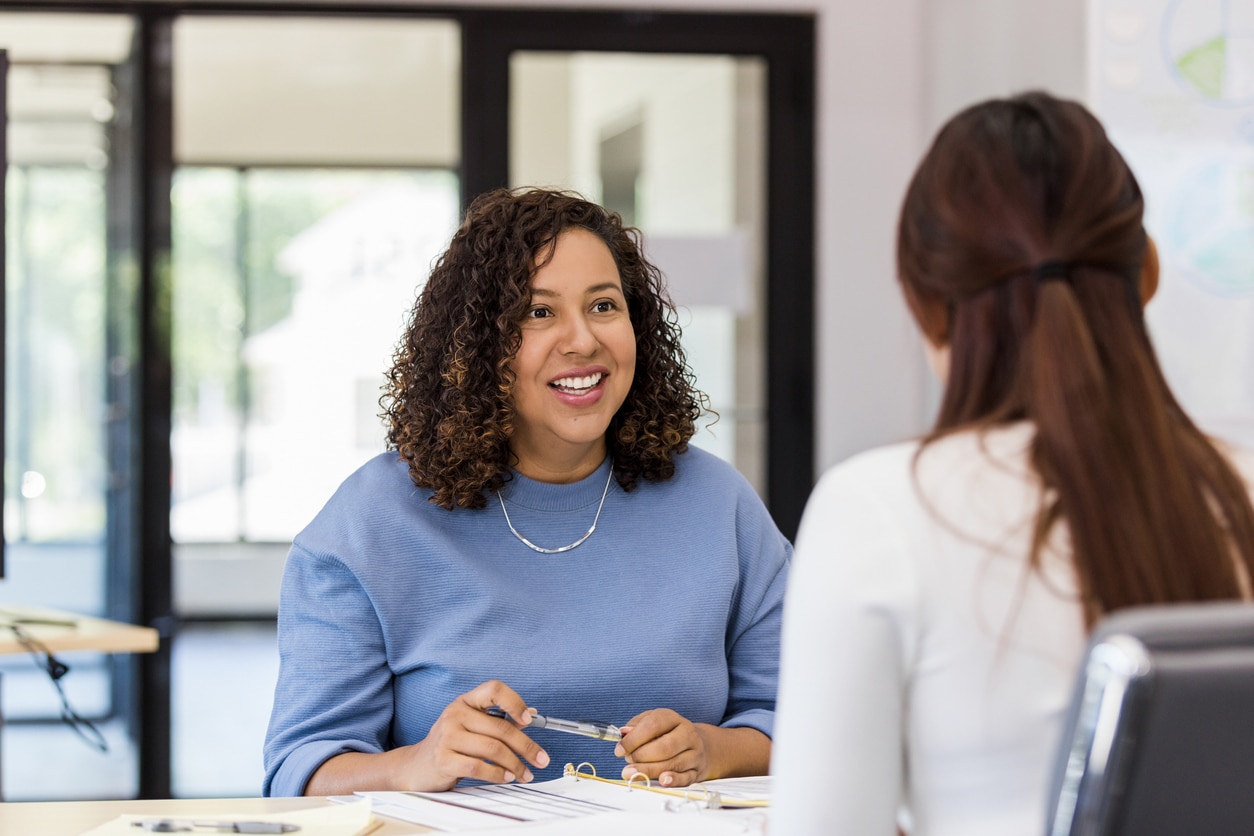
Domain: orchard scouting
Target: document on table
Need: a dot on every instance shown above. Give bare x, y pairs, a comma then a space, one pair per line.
353, 819
566, 798
691, 823
754, 791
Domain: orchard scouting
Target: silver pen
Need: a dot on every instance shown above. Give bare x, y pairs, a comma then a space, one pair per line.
587, 728
192, 826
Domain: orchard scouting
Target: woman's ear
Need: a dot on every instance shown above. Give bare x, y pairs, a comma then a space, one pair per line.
931, 315
937, 359
1149, 272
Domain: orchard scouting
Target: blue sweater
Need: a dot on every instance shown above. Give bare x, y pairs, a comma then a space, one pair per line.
392, 607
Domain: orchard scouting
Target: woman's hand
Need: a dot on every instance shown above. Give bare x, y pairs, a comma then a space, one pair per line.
670, 749
465, 742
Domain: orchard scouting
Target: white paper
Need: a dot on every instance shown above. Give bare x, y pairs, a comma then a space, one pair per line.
694, 823
470, 809
497, 804
756, 788
329, 820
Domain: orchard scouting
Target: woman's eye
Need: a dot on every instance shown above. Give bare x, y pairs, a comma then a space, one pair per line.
604, 306
537, 313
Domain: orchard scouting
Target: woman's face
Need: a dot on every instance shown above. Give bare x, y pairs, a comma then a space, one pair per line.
576, 362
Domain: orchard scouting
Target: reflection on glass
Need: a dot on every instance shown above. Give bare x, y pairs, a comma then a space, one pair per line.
291, 289
55, 460
676, 145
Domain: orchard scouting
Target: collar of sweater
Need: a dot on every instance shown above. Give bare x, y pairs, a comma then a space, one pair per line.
545, 496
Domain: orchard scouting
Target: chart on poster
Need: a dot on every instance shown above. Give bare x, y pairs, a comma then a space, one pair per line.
1173, 81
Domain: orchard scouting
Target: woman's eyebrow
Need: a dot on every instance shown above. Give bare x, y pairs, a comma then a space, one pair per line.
596, 288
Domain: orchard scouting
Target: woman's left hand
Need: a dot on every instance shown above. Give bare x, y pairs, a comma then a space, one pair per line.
665, 747
668, 748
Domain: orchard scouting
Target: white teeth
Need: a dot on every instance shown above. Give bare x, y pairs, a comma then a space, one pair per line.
578, 383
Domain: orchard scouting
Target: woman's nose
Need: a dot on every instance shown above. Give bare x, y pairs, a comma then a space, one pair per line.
578, 336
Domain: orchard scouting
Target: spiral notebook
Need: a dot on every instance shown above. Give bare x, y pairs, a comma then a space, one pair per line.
578, 793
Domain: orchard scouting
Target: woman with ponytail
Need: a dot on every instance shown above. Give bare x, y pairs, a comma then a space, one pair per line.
942, 589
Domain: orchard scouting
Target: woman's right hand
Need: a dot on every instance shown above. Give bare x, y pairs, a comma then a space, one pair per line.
466, 742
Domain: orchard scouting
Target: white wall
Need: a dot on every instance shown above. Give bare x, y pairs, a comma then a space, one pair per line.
977, 49
982, 48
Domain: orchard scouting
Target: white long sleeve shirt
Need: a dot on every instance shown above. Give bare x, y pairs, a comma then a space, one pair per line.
925, 666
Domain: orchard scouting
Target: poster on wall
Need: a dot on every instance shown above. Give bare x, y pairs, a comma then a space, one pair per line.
1173, 81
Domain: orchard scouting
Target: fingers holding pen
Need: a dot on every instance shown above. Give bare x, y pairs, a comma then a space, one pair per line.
663, 746
496, 694
466, 742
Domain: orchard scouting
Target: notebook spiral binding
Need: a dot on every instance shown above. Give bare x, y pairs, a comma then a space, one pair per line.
698, 797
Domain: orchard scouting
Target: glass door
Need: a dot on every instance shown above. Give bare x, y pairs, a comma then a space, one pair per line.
676, 145
698, 128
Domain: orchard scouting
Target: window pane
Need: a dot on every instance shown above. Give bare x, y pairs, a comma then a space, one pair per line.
291, 288
207, 337
56, 355
675, 144
316, 91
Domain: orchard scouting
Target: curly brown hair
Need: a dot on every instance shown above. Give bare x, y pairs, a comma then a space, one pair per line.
448, 394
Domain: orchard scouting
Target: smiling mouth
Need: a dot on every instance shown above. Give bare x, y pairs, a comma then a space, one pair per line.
577, 385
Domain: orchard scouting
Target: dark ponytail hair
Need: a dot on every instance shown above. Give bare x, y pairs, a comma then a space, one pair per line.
1021, 247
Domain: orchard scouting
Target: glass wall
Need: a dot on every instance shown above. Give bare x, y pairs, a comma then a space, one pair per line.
291, 288
62, 104
317, 172
315, 183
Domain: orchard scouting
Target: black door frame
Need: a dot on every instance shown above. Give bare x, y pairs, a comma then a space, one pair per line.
138, 388
787, 44
151, 592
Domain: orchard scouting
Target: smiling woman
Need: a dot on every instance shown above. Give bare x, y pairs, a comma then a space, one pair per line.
576, 362
543, 364
526, 285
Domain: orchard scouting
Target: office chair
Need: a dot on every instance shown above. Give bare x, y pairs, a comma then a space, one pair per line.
1159, 737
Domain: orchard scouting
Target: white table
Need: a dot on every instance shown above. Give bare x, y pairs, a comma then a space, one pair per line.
71, 818
62, 631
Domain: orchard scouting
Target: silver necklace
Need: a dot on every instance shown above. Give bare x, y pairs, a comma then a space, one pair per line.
586, 535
